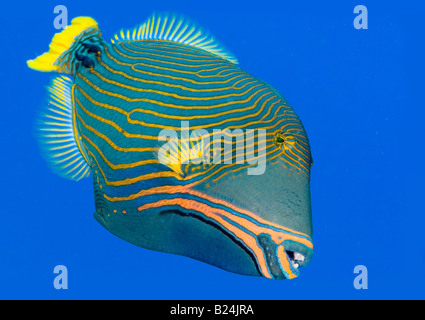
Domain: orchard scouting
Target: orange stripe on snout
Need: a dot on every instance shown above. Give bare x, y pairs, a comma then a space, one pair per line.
217, 215
276, 236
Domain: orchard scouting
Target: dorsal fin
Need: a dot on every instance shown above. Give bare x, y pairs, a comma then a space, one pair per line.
57, 134
176, 28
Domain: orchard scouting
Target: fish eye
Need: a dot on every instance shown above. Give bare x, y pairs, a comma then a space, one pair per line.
284, 140
279, 139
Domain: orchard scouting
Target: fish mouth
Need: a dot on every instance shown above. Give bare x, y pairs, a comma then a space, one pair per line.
296, 259
297, 255
284, 260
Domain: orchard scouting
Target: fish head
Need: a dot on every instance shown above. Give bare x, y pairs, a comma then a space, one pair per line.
262, 203
274, 211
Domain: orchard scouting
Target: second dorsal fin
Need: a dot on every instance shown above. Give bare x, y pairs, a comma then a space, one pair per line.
176, 28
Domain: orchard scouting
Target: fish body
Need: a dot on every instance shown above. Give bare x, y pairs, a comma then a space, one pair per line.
189, 153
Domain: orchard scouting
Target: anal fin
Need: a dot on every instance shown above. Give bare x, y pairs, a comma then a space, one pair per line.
57, 133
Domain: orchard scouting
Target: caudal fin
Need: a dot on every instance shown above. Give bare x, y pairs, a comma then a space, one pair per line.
61, 42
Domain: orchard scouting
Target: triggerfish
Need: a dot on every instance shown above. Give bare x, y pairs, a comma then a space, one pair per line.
189, 153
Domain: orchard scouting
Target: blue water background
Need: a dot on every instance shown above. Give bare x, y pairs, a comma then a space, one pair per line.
359, 94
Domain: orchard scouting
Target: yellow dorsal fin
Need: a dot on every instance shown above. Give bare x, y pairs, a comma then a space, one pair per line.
170, 27
61, 42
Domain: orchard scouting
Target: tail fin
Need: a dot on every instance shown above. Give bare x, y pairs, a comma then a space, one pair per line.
60, 43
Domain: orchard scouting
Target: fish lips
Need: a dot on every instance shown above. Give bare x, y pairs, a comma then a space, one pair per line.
298, 254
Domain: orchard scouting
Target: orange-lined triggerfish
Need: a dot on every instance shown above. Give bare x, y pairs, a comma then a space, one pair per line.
189, 153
